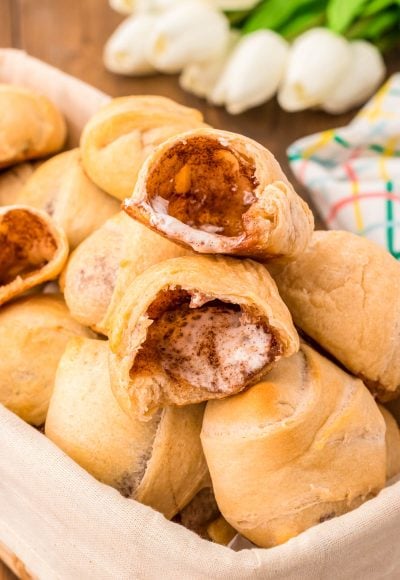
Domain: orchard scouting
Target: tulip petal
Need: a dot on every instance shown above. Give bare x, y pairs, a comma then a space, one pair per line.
253, 72
200, 78
189, 32
318, 59
124, 52
366, 72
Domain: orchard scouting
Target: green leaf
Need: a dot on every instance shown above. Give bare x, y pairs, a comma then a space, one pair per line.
237, 17
273, 14
388, 42
375, 6
341, 13
302, 22
381, 23
372, 28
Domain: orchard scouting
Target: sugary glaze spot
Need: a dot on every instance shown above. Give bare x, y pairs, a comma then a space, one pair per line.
204, 184
26, 245
213, 346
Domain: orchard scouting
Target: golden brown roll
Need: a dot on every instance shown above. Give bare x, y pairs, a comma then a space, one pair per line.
159, 463
30, 125
33, 334
218, 192
220, 532
62, 189
101, 268
343, 292
196, 328
120, 136
392, 444
12, 180
304, 445
33, 250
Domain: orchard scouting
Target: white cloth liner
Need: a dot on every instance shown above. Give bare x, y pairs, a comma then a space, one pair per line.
64, 524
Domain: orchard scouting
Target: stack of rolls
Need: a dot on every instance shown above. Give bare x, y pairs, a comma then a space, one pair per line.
166, 362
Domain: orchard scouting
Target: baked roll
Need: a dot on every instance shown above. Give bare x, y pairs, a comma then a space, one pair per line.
159, 463
33, 334
12, 180
343, 292
33, 250
220, 532
30, 125
101, 268
120, 136
392, 444
200, 512
304, 445
218, 192
62, 189
196, 328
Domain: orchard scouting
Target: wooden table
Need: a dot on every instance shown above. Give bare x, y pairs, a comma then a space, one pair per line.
70, 34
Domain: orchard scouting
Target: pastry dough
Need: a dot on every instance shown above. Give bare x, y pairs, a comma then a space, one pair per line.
302, 446
120, 136
392, 444
159, 463
62, 189
102, 267
218, 192
12, 180
33, 250
196, 328
33, 335
343, 292
30, 125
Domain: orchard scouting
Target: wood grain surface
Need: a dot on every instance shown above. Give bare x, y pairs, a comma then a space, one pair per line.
70, 34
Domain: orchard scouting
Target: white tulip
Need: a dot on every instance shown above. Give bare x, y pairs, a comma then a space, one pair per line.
317, 60
253, 72
189, 32
200, 78
366, 72
124, 52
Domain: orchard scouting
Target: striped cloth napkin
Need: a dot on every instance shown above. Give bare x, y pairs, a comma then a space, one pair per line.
353, 173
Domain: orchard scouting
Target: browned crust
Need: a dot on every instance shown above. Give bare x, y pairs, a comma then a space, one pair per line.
223, 193
34, 128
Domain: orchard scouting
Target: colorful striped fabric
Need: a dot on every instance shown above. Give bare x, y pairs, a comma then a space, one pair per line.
353, 173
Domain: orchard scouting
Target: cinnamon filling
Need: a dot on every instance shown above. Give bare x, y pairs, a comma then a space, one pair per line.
26, 245
214, 346
204, 184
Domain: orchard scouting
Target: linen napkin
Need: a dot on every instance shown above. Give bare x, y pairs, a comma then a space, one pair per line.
353, 173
